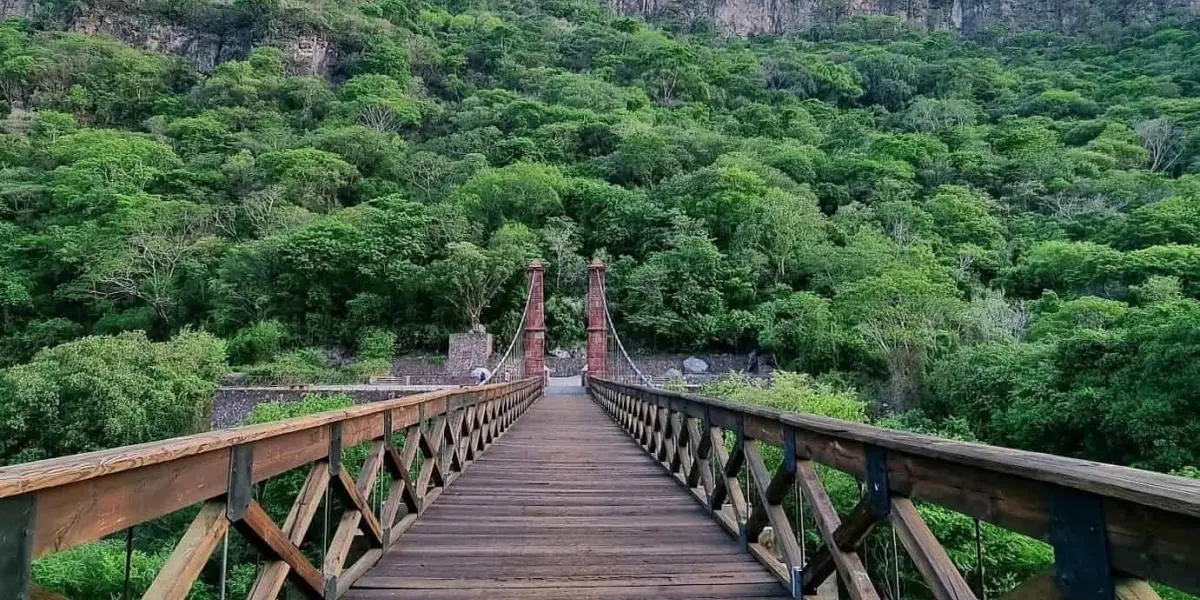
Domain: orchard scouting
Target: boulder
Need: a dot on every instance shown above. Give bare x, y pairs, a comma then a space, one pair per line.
674, 373
695, 366
560, 353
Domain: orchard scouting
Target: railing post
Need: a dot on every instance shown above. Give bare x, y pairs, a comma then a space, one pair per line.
17, 516
535, 324
597, 330
1079, 535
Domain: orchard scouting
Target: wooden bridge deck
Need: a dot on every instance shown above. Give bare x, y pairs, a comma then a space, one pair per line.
565, 505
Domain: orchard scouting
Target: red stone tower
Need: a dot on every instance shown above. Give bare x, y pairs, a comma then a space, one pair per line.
535, 324
597, 332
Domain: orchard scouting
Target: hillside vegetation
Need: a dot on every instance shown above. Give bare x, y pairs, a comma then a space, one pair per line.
994, 240
1000, 234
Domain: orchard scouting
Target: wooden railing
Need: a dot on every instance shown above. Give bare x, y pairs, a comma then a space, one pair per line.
52, 505
1111, 527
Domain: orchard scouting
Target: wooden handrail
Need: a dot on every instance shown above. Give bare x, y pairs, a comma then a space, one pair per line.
1152, 521
33, 476
51, 505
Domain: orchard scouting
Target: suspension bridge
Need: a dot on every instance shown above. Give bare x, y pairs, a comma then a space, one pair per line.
615, 489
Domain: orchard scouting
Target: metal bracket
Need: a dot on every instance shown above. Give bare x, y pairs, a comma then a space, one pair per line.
387, 427
797, 582
331, 586
335, 449
789, 449
241, 486
879, 496
17, 515
1082, 567
743, 538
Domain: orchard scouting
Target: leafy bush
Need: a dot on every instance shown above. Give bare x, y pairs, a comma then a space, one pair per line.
794, 392
258, 343
96, 571
101, 392
308, 365
376, 343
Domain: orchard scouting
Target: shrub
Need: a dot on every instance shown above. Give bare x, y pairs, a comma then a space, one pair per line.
796, 392
308, 365
376, 343
101, 392
257, 343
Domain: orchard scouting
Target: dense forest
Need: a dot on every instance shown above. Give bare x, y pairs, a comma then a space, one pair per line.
994, 239
1001, 232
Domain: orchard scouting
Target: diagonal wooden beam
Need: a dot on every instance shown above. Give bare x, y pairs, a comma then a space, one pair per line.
682, 462
258, 529
453, 434
849, 566
771, 510
431, 446
348, 489
727, 487
371, 467
402, 485
174, 581
273, 574
848, 537
666, 437
930, 557
700, 474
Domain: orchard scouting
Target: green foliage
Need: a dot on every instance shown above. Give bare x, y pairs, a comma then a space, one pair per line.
376, 344
257, 343
1001, 232
793, 392
100, 392
307, 365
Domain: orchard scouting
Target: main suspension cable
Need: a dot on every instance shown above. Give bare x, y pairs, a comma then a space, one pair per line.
519, 334
621, 347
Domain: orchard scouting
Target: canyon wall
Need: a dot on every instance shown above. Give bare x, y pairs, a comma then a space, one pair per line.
966, 17
204, 34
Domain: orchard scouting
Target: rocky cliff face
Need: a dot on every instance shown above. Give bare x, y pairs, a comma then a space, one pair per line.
967, 17
205, 43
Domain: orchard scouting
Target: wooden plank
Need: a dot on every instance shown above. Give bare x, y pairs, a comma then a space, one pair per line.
512, 523
174, 581
89, 509
565, 583
370, 469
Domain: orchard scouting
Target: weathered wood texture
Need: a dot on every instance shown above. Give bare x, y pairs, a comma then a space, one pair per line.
565, 506
129, 486
87, 496
1151, 521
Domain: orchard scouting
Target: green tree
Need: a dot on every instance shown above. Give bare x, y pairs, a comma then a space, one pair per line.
904, 316
102, 392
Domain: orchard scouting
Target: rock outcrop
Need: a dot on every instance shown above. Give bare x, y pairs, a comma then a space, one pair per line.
966, 17
209, 36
